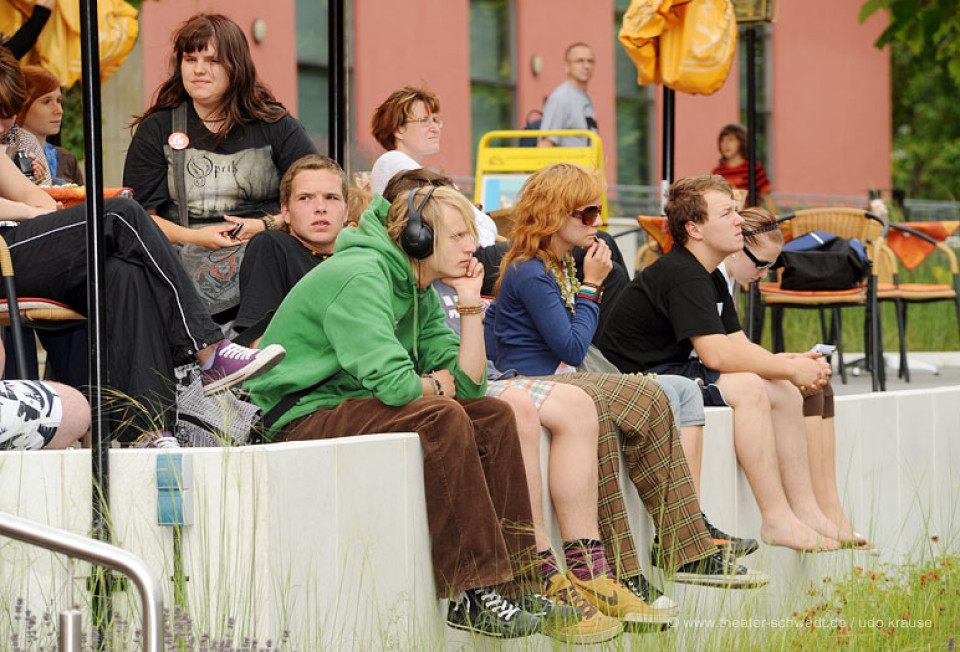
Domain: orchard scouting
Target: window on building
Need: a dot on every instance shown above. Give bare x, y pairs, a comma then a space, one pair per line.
764, 96
492, 77
313, 68
634, 115
313, 72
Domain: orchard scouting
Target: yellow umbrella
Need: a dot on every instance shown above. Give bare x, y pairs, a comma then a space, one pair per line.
58, 46
686, 45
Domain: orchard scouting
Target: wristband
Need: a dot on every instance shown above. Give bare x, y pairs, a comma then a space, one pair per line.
588, 284
470, 310
437, 387
269, 223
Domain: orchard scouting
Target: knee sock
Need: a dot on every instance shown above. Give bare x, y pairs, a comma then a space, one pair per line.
586, 559
549, 566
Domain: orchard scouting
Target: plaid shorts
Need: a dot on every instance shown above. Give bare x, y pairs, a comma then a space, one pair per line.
30, 413
538, 390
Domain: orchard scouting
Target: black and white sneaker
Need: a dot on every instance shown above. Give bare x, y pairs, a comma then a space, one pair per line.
546, 609
718, 570
736, 546
650, 594
486, 612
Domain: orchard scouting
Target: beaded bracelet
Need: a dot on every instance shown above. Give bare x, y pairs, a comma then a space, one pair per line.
437, 387
470, 310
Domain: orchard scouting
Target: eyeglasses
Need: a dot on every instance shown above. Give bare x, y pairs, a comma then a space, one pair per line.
761, 265
587, 215
432, 120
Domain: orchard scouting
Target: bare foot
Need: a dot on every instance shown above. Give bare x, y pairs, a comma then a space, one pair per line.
797, 535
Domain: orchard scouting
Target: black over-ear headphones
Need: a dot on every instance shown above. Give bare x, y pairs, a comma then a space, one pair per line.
417, 237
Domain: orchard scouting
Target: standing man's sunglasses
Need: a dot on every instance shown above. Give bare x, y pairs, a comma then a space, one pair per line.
587, 215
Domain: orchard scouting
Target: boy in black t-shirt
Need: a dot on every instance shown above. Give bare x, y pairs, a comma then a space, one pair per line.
313, 205
680, 304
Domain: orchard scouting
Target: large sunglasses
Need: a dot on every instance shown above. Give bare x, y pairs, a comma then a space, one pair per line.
587, 215
762, 265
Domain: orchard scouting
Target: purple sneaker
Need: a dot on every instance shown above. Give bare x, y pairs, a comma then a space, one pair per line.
156, 440
233, 364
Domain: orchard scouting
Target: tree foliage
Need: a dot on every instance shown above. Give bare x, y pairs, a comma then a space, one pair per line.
924, 40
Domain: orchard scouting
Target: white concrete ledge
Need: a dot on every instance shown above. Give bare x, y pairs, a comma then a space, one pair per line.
328, 540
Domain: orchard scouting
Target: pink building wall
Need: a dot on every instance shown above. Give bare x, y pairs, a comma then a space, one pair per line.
830, 87
831, 91
275, 58
415, 43
545, 30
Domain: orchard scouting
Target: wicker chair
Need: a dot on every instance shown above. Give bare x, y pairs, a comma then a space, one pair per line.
890, 289
32, 313
846, 223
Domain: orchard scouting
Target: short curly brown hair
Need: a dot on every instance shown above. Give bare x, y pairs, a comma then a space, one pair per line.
396, 110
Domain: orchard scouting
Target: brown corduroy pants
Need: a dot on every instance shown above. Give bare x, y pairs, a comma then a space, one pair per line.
478, 507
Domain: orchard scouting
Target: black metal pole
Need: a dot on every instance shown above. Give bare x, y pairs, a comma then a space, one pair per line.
669, 111
336, 88
99, 429
752, 115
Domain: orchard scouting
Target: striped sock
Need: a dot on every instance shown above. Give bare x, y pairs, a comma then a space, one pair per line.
549, 566
586, 559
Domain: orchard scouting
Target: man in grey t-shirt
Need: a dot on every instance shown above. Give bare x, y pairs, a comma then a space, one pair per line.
569, 106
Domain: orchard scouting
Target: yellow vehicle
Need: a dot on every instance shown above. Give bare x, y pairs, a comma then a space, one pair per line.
502, 169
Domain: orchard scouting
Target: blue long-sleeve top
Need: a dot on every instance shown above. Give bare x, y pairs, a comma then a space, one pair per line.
533, 329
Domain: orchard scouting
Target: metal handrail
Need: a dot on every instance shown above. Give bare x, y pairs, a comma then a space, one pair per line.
98, 552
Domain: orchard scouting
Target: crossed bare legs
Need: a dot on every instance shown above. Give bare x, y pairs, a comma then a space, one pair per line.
771, 444
571, 417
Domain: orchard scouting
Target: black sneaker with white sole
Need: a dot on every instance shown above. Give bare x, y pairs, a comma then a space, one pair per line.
545, 608
736, 546
488, 613
720, 571
650, 594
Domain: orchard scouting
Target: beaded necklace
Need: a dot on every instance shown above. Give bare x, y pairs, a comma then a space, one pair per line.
567, 280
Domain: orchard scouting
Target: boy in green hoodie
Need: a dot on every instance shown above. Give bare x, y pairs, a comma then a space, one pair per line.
369, 351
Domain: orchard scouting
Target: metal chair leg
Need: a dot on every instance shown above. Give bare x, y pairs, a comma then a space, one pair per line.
836, 329
901, 307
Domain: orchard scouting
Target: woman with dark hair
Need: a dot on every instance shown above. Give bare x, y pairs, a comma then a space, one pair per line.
207, 156
154, 316
41, 116
732, 143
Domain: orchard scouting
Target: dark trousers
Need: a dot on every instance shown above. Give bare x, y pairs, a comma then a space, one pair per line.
478, 507
155, 318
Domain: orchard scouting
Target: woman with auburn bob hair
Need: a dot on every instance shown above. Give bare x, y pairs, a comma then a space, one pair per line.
408, 125
41, 116
232, 140
542, 323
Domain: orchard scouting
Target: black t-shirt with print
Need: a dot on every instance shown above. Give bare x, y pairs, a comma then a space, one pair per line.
665, 305
240, 176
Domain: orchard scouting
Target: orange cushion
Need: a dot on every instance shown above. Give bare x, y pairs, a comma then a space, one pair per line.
656, 228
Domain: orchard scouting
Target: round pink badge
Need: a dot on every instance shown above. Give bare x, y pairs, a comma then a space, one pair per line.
178, 140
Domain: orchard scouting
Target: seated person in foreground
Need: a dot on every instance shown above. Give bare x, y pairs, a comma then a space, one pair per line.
370, 353
38, 415
680, 304
313, 205
762, 242
544, 320
570, 415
